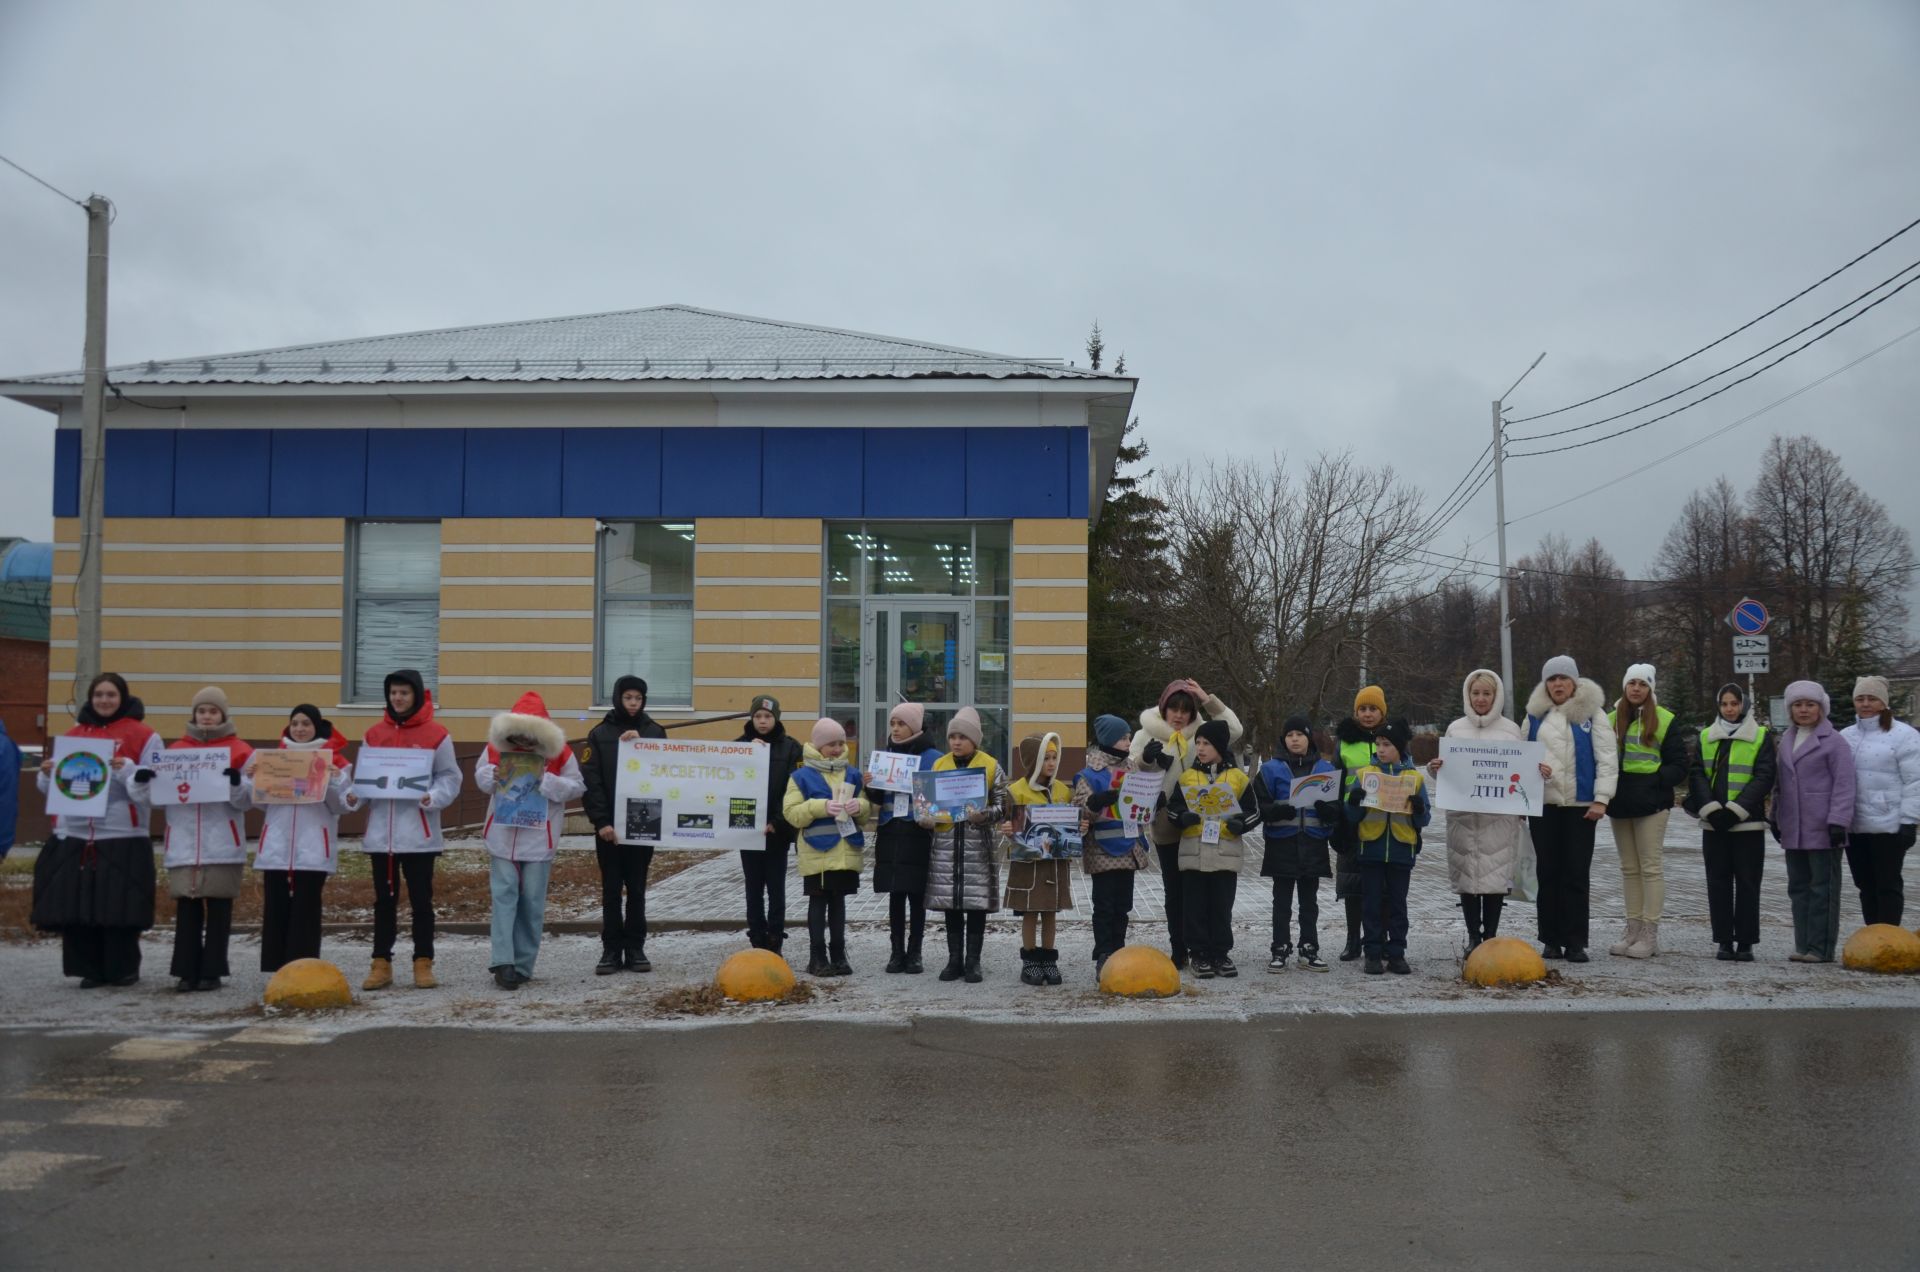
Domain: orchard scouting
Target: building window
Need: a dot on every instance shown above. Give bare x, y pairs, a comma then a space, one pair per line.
393, 604
643, 625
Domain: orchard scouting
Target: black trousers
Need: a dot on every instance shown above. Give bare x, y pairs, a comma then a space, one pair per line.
1482, 911
1208, 898
1563, 851
201, 926
1734, 860
1383, 908
765, 870
1284, 891
1112, 903
965, 926
290, 916
907, 920
415, 869
827, 926
100, 953
623, 895
1175, 890
1876, 862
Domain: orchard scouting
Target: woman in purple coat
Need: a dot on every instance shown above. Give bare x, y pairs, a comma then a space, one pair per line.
1812, 808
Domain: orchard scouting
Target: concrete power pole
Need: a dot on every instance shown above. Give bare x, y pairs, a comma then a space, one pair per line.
93, 448
1515, 699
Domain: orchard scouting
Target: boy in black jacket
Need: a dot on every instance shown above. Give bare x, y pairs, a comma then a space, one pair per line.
765, 869
623, 867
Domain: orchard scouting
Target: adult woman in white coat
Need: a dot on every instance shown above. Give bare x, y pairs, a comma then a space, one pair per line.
1886, 801
1581, 769
1483, 849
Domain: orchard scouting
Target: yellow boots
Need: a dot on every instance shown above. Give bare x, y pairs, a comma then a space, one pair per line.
381, 976
423, 974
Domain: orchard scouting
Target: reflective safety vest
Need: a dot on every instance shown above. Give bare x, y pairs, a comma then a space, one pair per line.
1354, 756
1636, 754
824, 834
1739, 761
1216, 797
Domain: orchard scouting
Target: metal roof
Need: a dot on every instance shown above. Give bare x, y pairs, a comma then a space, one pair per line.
665, 342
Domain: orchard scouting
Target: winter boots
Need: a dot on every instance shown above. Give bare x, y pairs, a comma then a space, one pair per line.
1030, 973
913, 965
1627, 939
956, 956
609, 963
976, 939
1647, 944
380, 976
423, 977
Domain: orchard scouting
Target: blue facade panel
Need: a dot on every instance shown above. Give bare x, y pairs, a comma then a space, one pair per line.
140, 472
1079, 464
710, 472
915, 472
319, 472
610, 472
415, 472
66, 472
222, 472
512, 472
1018, 472
807, 472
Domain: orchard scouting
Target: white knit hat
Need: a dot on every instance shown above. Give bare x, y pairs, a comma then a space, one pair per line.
1560, 665
1873, 687
1642, 672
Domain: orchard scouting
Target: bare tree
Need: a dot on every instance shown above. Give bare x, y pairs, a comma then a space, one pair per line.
1703, 568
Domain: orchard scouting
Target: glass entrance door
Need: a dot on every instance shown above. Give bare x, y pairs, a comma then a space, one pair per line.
920, 651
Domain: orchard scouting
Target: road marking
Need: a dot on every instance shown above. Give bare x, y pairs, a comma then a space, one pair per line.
20, 1171
280, 1035
219, 1070
156, 1049
19, 1128
78, 1088
115, 1112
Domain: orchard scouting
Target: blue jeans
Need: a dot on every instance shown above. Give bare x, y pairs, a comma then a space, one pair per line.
519, 908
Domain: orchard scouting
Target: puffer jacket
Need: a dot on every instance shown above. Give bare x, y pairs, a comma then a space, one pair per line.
820, 846
202, 834
1221, 790
963, 871
1483, 849
1178, 748
1886, 776
304, 836
560, 779
1554, 728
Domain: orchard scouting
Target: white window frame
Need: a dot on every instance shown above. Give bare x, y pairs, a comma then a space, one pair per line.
350, 610
602, 684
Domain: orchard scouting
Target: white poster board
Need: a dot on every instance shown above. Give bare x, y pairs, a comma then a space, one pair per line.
191, 775
393, 772
1497, 776
692, 794
82, 767
892, 771
1139, 793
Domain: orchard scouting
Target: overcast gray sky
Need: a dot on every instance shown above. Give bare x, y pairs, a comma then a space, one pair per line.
1306, 225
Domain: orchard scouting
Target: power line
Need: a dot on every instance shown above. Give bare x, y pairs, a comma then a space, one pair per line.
1621, 415
1472, 469
1461, 507
1634, 428
78, 203
1525, 419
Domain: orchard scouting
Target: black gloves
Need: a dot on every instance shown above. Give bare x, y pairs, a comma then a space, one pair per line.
233, 776
143, 775
1327, 810
1904, 837
1103, 799
1357, 795
1837, 836
1184, 820
1241, 823
1723, 819
1156, 755
1274, 814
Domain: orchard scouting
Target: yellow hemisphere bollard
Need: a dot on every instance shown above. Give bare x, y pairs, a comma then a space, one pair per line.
1504, 960
308, 984
1140, 971
754, 976
1882, 947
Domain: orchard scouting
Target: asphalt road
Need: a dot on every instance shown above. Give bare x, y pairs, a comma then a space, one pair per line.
1702, 1140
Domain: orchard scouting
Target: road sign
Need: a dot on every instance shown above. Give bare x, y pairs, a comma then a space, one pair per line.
1750, 664
1752, 645
1749, 617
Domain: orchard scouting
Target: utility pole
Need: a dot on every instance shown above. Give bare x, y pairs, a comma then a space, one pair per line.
93, 446
1515, 700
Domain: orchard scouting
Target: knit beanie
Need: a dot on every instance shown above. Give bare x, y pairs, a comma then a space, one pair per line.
764, 702
1642, 672
1216, 733
911, 714
1371, 696
1297, 724
1873, 687
966, 723
1809, 691
1560, 665
214, 696
1109, 731
1400, 733
826, 731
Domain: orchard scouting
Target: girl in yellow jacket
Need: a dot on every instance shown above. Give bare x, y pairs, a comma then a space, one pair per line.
826, 805
1039, 890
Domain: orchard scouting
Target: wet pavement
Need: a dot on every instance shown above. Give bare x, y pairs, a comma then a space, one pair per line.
1617, 1140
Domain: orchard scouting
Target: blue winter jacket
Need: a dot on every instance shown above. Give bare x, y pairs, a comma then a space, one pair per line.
1276, 782
9, 789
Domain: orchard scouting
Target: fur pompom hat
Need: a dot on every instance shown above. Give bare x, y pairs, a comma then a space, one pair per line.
527, 727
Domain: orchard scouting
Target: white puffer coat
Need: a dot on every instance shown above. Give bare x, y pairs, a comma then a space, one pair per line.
302, 836
1484, 848
1586, 709
1886, 776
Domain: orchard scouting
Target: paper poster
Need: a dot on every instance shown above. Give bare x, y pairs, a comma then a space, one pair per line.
1139, 793
950, 792
993, 661
1049, 832
692, 794
82, 767
517, 800
191, 775
1489, 777
393, 772
891, 770
1314, 788
1389, 793
291, 777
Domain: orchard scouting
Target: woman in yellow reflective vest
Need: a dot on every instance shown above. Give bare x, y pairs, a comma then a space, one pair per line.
1728, 784
1653, 762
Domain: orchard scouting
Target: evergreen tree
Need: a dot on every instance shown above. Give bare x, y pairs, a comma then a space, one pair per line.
1125, 666
1849, 659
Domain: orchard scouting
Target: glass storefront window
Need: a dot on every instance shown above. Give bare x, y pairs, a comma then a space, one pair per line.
934, 560
992, 651
993, 559
843, 651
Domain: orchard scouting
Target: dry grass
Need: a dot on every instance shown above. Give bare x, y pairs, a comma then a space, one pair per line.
707, 1000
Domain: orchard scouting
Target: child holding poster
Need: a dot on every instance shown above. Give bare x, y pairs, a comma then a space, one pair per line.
1113, 856
522, 857
403, 839
901, 845
1387, 834
1299, 808
205, 846
963, 872
1038, 890
825, 804
764, 869
1213, 806
299, 844
93, 881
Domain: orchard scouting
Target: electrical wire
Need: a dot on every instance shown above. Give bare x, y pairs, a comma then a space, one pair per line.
1525, 419
1707, 397
1462, 505
1472, 470
78, 203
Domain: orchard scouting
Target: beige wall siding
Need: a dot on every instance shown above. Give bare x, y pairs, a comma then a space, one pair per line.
757, 603
1049, 657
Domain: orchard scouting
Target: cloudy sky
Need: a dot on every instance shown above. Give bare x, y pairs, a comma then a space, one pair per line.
1308, 226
